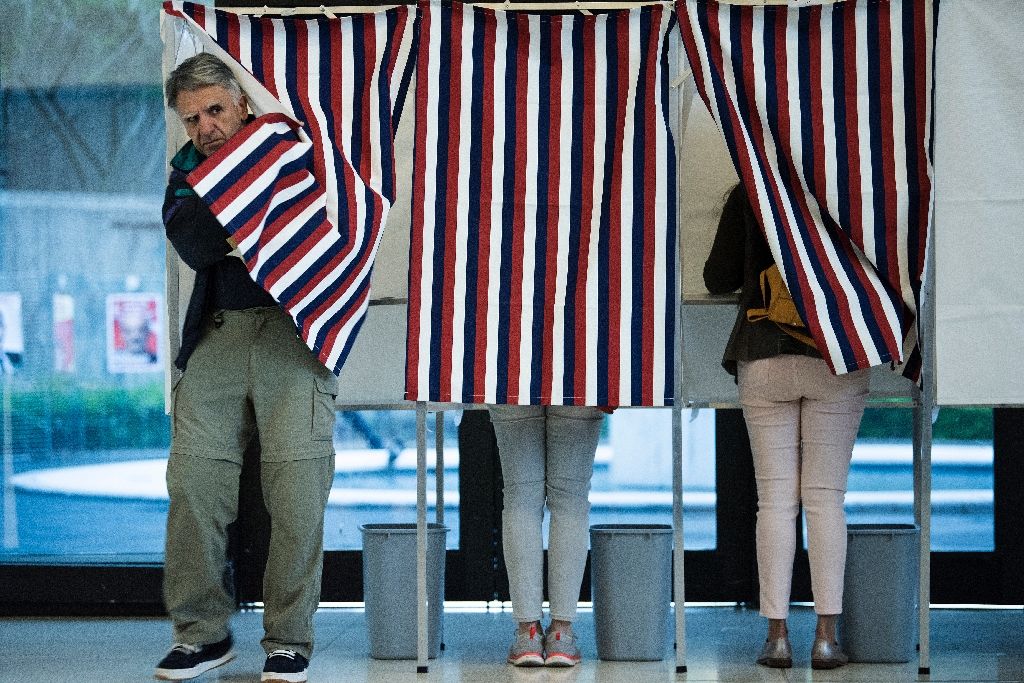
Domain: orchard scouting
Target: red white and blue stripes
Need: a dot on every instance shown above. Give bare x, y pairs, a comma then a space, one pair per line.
826, 112
311, 226
542, 265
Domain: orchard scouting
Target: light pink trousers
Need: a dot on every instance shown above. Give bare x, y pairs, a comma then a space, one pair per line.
802, 421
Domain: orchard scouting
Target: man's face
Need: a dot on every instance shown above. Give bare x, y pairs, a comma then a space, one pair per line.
211, 116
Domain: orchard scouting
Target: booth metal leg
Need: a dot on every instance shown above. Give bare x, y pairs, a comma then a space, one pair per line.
678, 583
421, 538
685, 100
439, 464
439, 485
923, 518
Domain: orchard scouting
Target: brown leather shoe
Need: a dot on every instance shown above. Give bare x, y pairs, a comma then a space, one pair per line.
826, 655
777, 653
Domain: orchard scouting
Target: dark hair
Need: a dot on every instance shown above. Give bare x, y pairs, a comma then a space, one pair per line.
198, 72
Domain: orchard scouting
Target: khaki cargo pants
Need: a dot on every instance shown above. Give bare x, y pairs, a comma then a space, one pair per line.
250, 375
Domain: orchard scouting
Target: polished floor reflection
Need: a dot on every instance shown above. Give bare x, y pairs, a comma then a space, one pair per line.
722, 642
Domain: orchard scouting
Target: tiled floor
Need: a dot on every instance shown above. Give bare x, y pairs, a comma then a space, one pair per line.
967, 645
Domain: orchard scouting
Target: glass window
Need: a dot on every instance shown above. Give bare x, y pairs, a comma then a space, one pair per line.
881, 475
82, 160
633, 472
375, 474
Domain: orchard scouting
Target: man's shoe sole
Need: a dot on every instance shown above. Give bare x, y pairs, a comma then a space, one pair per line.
267, 677
199, 669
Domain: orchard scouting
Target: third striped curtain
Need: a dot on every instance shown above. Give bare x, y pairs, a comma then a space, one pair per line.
826, 113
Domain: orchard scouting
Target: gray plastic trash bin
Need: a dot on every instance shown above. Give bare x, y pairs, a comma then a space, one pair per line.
389, 588
879, 620
631, 584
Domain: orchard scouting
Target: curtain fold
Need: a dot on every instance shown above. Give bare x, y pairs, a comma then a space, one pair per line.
310, 219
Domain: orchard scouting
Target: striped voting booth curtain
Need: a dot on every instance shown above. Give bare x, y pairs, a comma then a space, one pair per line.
306, 200
542, 261
826, 112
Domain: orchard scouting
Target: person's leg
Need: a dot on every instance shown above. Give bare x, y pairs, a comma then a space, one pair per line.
293, 398
572, 436
204, 500
295, 493
773, 423
519, 431
211, 426
831, 417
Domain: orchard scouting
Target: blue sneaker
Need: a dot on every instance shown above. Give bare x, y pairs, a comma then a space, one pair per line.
560, 649
284, 666
527, 649
186, 661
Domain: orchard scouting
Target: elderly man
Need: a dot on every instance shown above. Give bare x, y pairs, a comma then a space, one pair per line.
245, 375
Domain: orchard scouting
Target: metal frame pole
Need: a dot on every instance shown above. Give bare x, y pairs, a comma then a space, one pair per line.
679, 551
421, 538
439, 490
923, 452
439, 465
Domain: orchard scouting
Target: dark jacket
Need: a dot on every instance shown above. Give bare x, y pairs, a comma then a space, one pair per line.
222, 282
738, 256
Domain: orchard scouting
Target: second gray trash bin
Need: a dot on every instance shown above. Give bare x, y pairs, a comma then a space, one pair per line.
631, 583
389, 588
879, 620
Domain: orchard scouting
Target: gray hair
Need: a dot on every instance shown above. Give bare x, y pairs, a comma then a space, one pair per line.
201, 71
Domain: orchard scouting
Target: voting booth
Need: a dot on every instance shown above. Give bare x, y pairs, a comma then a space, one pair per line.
932, 280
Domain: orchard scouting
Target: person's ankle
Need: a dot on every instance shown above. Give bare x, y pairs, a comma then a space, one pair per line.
777, 628
525, 626
825, 629
560, 625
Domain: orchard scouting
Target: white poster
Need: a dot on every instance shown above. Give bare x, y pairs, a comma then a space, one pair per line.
134, 331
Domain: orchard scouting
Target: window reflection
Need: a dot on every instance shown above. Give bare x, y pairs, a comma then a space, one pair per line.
881, 475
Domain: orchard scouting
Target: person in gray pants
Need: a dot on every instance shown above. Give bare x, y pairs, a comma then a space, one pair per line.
244, 375
547, 460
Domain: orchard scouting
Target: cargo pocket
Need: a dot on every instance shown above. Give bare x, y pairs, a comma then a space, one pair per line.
325, 390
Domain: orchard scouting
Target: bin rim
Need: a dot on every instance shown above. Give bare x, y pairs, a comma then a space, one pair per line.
882, 529
631, 528
401, 528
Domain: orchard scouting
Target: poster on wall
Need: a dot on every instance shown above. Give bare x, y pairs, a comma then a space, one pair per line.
12, 337
133, 333
63, 333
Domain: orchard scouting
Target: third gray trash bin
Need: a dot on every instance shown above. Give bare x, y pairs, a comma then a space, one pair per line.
631, 583
389, 588
879, 620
